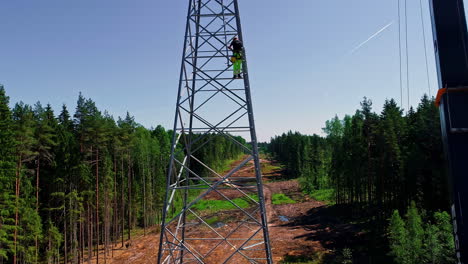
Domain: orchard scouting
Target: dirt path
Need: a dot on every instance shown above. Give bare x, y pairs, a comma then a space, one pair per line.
298, 229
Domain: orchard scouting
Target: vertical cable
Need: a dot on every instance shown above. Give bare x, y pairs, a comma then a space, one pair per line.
407, 57
425, 46
399, 49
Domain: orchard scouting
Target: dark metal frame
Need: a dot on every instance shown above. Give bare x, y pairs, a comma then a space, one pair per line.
204, 77
451, 48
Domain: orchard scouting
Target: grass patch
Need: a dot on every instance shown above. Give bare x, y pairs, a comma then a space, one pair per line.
212, 220
226, 165
279, 198
324, 195
253, 196
269, 168
220, 205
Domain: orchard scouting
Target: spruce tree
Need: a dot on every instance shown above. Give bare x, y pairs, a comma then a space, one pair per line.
415, 234
399, 239
432, 246
445, 236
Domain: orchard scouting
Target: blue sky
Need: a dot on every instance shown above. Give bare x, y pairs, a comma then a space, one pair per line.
125, 55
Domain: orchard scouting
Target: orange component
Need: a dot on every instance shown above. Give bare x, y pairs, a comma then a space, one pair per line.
440, 93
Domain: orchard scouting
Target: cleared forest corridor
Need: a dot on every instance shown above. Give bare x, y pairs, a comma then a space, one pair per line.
301, 228
385, 183
126, 161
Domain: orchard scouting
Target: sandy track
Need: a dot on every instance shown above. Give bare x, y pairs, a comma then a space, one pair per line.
287, 237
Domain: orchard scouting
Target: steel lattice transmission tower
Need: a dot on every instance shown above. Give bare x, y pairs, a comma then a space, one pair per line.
212, 105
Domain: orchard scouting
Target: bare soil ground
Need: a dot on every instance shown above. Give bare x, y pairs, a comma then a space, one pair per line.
304, 228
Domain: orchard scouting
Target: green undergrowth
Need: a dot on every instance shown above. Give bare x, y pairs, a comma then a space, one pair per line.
211, 206
279, 198
324, 195
226, 165
222, 205
212, 220
269, 168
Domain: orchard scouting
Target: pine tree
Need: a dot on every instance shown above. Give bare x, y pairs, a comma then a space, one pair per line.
44, 133
391, 178
369, 132
7, 180
87, 179
24, 136
54, 240
127, 126
65, 198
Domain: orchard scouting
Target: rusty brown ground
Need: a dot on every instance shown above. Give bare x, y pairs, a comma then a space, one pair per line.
309, 231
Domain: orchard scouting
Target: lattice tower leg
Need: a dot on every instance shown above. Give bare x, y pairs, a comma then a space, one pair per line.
212, 107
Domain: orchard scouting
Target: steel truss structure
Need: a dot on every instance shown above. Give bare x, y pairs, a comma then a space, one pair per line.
451, 49
212, 105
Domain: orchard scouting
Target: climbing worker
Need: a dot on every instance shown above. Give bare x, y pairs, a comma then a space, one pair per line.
237, 47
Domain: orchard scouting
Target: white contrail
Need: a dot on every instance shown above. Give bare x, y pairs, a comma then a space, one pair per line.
370, 38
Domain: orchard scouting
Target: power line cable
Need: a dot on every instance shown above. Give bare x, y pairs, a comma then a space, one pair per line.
399, 49
407, 57
425, 46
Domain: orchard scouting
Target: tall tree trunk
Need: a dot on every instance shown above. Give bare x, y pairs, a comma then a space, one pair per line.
80, 244
49, 247
114, 215
97, 205
90, 233
1, 246
65, 233
82, 241
122, 215
129, 198
37, 204
153, 197
74, 239
17, 194
106, 220
144, 201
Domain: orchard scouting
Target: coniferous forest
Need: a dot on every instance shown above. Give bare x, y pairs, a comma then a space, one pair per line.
377, 167
75, 183
373, 161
